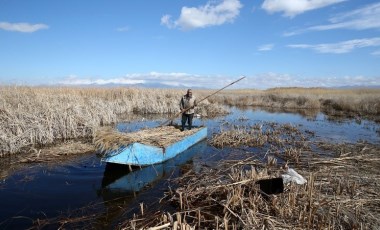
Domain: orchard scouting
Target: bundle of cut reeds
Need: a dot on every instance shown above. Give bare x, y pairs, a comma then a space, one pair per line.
108, 139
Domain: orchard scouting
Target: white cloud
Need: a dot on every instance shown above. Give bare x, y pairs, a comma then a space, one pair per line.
152, 78
295, 32
22, 27
166, 21
376, 53
123, 29
363, 18
272, 80
266, 47
351, 81
74, 80
212, 14
259, 81
367, 17
291, 8
340, 47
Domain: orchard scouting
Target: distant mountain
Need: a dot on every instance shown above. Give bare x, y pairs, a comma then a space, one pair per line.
154, 85
332, 87
158, 85
357, 87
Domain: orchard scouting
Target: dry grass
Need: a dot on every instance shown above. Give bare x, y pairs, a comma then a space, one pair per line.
59, 151
342, 192
108, 139
34, 117
51, 155
356, 101
284, 141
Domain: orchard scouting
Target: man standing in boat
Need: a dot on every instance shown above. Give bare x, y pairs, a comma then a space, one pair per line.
187, 104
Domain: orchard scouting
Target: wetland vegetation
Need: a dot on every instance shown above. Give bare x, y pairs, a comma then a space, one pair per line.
342, 190
34, 117
47, 124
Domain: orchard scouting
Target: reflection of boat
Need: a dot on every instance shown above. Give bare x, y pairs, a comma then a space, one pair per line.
119, 178
123, 189
140, 154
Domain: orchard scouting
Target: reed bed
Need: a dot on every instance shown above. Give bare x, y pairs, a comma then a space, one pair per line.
51, 155
108, 139
342, 192
35, 117
342, 189
58, 151
360, 102
285, 141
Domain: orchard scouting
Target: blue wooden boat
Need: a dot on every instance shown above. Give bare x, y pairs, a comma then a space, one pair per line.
119, 178
138, 154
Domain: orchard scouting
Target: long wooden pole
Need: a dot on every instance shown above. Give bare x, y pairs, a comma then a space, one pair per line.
177, 114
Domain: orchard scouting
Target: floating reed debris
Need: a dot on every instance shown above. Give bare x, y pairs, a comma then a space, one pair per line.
107, 139
239, 136
56, 152
342, 192
258, 135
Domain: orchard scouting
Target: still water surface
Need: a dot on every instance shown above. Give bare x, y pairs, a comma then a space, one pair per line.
86, 186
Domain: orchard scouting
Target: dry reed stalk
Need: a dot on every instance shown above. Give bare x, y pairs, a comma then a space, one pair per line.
342, 193
40, 116
342, 190
34, 117
285, 137
335, 101
56, 154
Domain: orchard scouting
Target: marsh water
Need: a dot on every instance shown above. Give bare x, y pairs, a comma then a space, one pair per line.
90, 194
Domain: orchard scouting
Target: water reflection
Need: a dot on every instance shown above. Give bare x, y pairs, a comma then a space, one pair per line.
121, 184
305, 113
73, 185
120, 178
342, 129
326, 127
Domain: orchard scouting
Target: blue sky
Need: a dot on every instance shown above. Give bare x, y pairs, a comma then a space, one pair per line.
274, 43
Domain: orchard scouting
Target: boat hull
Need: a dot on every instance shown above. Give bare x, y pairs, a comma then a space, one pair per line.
137, 154
120, 178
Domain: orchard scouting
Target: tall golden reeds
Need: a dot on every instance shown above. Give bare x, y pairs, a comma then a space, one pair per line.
38, 116
32, 117
360, 101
